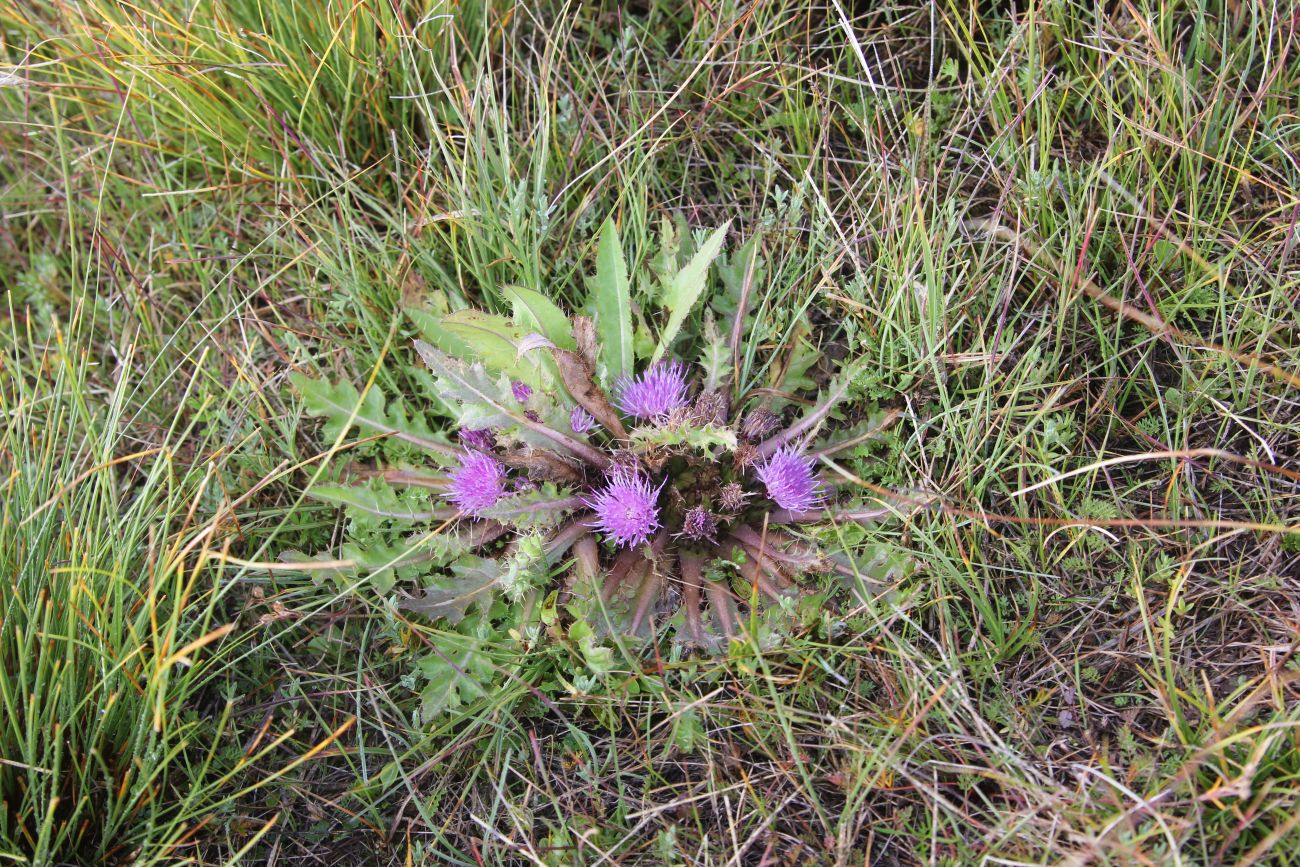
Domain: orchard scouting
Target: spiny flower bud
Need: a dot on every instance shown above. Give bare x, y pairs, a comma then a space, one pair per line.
744, 455
679, 417
732, 497
580, 421
521, 390
624, 461
482, 440
700, 525
711, 408
759, 423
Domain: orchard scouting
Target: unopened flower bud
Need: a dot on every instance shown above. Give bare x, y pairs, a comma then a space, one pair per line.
759, 423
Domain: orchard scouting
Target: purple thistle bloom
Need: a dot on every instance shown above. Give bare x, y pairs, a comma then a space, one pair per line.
483, 440
580, 420
654, 393
477, 483
790, 480
521, 390
626, 510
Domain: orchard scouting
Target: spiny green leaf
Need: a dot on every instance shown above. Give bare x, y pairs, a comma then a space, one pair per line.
479, 399
472, 578
714, 357
342, 406
685, 290
610, 297
701, 437
375, 501
487, 402
435, 333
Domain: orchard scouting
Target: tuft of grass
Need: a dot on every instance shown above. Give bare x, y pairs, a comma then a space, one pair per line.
112, 629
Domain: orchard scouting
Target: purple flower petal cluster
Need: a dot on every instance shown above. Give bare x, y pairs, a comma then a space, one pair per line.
790, 480
521, 390
654, 393
482, 440
580, 420
477, 483
627, 509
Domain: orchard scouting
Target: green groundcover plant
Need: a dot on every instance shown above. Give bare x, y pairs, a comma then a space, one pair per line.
600, 487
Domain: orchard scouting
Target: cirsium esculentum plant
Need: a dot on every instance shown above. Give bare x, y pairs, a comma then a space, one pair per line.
594, 472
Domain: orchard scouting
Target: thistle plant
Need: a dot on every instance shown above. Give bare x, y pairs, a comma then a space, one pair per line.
637, 490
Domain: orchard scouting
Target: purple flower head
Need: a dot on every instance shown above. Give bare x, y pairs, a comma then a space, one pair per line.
521, 390
654, 393
580, 420
790, 480
483, 440
699, 524
626, 510
477, 483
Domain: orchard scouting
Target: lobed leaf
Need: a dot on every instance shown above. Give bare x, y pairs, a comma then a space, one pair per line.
714, 357
471, 579
343, 407
376, 500
458, 673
